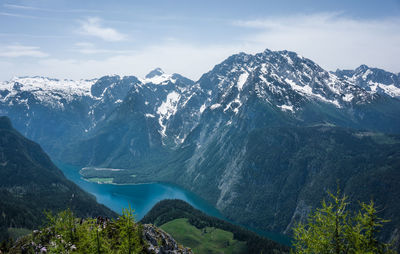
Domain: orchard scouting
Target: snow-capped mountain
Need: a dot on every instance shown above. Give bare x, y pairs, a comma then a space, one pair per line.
244, 92
51, 93
54, 112
248, 98
256, 134
373, 80
281, 81
265, 128
146, 122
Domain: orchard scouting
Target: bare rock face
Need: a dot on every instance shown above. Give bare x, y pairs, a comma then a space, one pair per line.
161, 242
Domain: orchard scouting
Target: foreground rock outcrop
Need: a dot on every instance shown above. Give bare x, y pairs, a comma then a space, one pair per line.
161, 242
67, 234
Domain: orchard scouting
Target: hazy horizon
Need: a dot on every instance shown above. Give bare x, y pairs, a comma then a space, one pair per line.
83, 40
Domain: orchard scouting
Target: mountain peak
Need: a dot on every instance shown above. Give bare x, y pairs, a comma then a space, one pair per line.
158, 77
267, 51
154, 73
362, 67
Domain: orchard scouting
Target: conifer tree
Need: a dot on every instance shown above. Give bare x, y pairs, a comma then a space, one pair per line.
130, 232
333, 229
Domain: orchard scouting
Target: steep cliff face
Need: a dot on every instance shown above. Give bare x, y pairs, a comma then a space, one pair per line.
272, 177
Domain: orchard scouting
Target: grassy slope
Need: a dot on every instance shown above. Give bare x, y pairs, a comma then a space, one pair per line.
207, 240
170, 210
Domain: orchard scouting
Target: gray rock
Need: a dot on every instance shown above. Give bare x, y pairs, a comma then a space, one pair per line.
161, 242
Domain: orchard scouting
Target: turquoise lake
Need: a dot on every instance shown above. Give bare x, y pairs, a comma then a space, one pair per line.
142, 197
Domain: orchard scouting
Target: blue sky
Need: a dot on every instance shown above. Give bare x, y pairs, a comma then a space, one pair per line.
88, 39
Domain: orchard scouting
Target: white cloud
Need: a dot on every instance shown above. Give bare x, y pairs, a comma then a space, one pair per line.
88, 48
93, 27
330, 39
18, 15
33, 8
188, 60
13, 51
84, 44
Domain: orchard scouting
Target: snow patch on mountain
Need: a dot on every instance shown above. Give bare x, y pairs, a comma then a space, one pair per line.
373, 80
366, 74
159, 80
348, 97
167, 109
50, 92
242, 79
158, 77
390, 90
233, 105
308, 91
202, 108
214, 106
286, 107
44, 84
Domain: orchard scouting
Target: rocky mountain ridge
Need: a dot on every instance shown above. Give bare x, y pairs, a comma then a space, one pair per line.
282, 79
255, 129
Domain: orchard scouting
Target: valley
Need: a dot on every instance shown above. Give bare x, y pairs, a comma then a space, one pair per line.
260, 139
203, 127
143, 197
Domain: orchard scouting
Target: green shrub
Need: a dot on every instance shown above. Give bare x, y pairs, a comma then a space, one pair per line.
65, 233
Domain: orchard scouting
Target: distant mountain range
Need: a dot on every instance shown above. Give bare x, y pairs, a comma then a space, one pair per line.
54, 112
262, 137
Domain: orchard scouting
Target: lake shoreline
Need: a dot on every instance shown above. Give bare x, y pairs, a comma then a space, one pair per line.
143, 196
